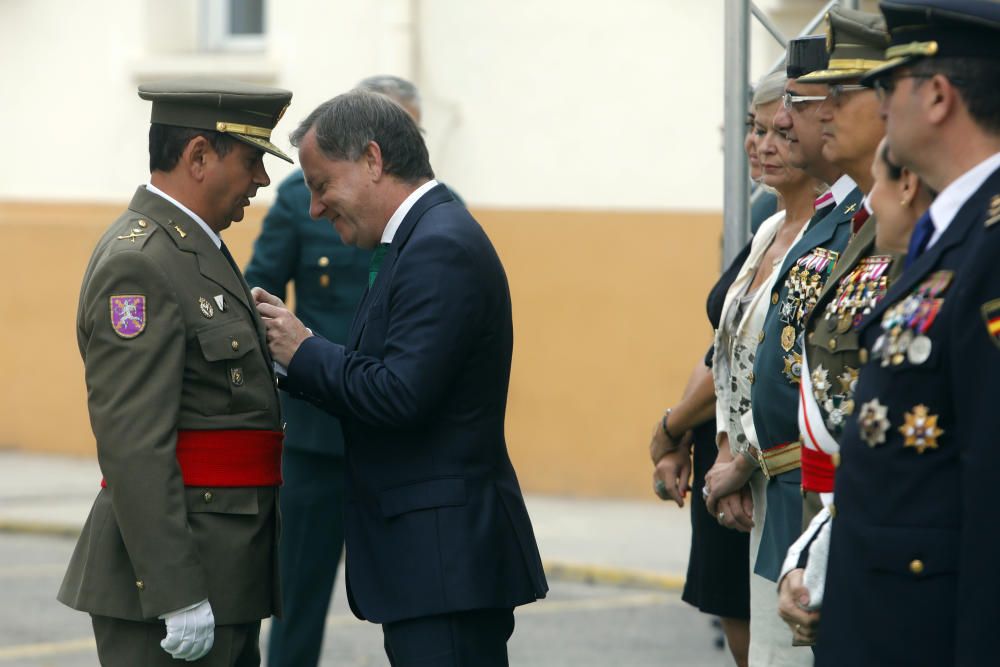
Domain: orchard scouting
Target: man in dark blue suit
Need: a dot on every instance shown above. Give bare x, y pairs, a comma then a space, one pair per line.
913, 577
330, 279
440, 548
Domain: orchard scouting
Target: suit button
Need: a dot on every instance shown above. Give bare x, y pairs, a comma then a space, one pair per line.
143, 224
324, 261
774, 297
863, 355
141, 586
832, 344
208, 496
324, 280
916, 566
235, 345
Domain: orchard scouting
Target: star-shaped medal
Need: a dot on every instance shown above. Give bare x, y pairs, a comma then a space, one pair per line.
848, 380
821, 383
920, 430
873, 422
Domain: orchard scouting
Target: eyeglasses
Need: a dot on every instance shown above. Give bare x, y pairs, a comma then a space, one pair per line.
839, 91
886, 85
789, 100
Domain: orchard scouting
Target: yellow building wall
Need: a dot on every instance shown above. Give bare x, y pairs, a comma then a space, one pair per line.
609, 319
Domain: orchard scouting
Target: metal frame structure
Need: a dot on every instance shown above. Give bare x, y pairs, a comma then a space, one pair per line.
736, 195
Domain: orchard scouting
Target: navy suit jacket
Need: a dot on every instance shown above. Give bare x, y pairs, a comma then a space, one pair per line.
914, 548
330, 279
434, 517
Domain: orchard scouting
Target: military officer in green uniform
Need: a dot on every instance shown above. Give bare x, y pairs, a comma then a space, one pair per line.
863, 273
178, 558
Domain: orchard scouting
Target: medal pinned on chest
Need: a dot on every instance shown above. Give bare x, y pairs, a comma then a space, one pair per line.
206, 307
802, 288
858, 292
906, 323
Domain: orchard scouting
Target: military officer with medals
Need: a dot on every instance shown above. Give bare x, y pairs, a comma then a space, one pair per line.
912, 551
770, 425
852, 133
177, 560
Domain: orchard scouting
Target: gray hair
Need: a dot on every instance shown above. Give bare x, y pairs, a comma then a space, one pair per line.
346, 124
769, 89
395, 87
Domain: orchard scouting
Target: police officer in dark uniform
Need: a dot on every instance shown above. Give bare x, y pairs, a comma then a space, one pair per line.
913, 577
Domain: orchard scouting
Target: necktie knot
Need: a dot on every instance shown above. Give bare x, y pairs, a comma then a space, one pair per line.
921, 237
376, 262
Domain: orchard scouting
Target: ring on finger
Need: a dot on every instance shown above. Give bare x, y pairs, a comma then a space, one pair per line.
722, 517
705, 493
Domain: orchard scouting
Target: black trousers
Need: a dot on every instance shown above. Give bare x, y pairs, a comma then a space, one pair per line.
476, 638
312, 539
122, 643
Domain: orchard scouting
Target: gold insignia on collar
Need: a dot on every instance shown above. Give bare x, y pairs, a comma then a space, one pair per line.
994, 212
180, 231
132, 236
920, 430
851, 208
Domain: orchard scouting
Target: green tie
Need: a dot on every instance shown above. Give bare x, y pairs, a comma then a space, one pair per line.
376, 262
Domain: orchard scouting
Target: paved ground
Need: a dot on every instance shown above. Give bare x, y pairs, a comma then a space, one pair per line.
579, 625
614, 568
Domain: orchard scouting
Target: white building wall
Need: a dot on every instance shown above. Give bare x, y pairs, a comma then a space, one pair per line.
528, 103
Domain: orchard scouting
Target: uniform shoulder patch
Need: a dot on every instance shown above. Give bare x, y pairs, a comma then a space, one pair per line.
991, 317
128, 314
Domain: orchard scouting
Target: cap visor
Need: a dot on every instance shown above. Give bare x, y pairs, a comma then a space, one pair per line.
869, 78
262, 144
831, 75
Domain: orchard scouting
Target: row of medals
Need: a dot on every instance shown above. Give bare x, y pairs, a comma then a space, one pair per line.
805, 282
856, 295
905, 324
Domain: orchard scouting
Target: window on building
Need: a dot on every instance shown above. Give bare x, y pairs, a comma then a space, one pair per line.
233, 25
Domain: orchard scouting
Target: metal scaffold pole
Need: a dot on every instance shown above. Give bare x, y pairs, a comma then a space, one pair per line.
736, 198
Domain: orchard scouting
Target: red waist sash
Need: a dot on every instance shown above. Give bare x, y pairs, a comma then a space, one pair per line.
229, 458
817, 471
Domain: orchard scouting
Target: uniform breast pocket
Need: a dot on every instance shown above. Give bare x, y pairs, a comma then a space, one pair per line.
235, 379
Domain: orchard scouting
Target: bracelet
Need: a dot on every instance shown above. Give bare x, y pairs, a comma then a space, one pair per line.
663, 424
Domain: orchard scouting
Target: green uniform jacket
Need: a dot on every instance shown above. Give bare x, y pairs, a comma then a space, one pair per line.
150, 545
833, 352
774, 394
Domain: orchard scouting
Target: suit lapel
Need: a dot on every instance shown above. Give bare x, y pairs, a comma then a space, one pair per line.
819, 232
860, 246
211, 262
436, 195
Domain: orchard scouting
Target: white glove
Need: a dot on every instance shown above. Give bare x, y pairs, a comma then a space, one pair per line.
190, 631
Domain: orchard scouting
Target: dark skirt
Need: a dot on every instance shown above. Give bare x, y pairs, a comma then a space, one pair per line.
718, 574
